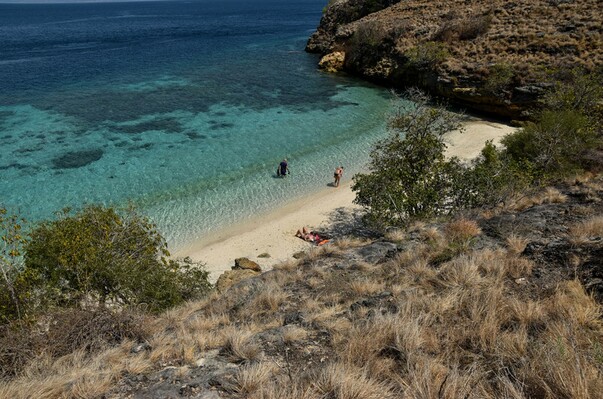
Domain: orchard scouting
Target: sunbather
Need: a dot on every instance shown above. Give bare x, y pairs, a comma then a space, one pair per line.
307, 235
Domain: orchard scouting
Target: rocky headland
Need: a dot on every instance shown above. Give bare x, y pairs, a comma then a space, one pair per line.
497, 57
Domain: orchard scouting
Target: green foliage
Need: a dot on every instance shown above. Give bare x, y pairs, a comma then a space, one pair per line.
100, 256
428, 55
578, 91
570, 125
12, 294
491, 179
410, 177
499, 78
552, 143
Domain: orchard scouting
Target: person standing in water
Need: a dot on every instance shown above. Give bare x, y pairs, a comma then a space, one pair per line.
283, 168
337, 175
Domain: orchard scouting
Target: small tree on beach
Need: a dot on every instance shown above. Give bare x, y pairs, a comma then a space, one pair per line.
409, 175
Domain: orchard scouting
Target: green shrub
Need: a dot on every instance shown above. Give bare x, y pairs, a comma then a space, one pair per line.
427, 55
578, 91
409, 176
491, 179
100, 256
499, 78
553, 144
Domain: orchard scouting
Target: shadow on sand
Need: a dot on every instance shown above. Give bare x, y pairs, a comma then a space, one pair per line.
344, 221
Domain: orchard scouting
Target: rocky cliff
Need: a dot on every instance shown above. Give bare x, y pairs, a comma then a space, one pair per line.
492, 56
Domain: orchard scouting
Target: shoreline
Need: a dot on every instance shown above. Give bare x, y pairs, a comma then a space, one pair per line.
273, 232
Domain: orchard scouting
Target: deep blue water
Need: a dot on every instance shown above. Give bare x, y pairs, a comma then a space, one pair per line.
183, 108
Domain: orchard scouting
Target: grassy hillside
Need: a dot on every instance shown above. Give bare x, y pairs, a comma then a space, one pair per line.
503, 303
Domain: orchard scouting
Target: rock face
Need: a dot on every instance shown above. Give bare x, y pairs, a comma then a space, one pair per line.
332, 62
242, 269
484, 55
231, 277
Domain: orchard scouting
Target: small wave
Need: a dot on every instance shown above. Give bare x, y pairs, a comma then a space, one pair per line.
21, 60
71, 21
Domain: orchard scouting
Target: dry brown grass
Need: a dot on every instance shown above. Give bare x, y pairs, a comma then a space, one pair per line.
587, 231
515, 244
462, 230
395, 235
239, 347
268, 299
252, 377
287, 266
431, 235
344, 382
366, 287
294, 334
349, 242
549, 195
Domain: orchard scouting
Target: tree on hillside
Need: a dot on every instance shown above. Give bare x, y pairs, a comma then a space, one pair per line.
554, 143
101, 256
409, 174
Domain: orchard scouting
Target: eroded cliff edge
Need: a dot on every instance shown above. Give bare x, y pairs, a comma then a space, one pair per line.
493, 56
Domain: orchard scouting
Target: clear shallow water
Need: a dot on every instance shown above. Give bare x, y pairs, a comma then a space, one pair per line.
183, 108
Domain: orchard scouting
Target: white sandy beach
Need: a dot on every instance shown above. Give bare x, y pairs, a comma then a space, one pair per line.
274, 233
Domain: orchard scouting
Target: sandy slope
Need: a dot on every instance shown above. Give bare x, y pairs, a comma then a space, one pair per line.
274, 233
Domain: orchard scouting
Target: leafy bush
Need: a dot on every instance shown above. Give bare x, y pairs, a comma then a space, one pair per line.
427, 55
578, 91
409, 175
499, 78
490, 179
99, 256
570, 124
552, 144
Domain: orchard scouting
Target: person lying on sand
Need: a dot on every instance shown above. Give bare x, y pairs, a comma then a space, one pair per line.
305, 234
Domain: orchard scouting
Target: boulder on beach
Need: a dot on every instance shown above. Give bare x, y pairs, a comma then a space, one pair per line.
231, 277
246, 264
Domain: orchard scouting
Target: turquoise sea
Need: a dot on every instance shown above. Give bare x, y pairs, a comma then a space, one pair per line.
183, 108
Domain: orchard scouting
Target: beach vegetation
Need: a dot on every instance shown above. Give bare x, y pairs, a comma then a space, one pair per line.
84, 281
99, 256
409, 177
555, 143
